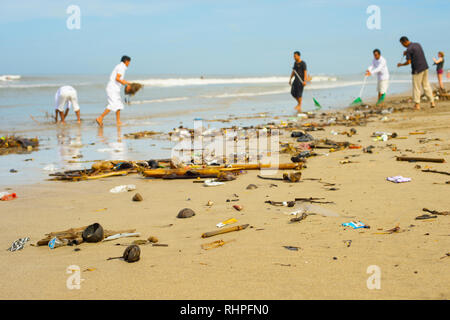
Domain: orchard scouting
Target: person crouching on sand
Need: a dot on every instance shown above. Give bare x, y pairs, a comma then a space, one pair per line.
66, 97
300, 74
439, 62
379, 67
113, 90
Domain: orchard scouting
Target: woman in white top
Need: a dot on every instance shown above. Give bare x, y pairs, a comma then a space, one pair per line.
379, 67
113, 90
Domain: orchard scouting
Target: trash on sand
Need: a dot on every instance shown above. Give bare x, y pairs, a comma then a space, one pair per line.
298, 219
226, 230
398, 179
281, 203
251, 187
215, 244
441, 213
238, 207
226, 222
425, 216
18, 244
446, 255
7, 197
122, 235
396, 229
292, 248
93, 233
209, 203
419, 159
186, 213
212, 183
74, 235
131, 254
348, 243
312, 209
137, 197
355, 225
152, 239
56, 243
123, 188
436, 171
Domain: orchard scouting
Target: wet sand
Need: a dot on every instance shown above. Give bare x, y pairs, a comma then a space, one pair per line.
255, 265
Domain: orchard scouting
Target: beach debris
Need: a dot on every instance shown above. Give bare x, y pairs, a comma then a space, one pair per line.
251, 187
152, 239
398, 179
281, 203
446, 255
74, 235
441, 213
225, 230
436, 171
301, 157
298, 219
14, 144
131, 254
19, 244
159, 245
287, 177
425, 216
238, 207
212, 183
123, 188
355, 225
13, 171
417, 132
4, 196
292, 248
137, 197
140, 134
419, 159
316, 200
93, 233
396, 229
348, 243
50, 167
311, 209
139, 242
226, 222
185, 213
369, 149
55, 242
122, 235
215, 244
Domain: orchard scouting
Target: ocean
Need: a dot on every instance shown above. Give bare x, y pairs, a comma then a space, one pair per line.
165, 102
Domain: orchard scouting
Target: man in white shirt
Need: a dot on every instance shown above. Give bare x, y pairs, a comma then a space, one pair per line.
379, 67
113, 90
66, 97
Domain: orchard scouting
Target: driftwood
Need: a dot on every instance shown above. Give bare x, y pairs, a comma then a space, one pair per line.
225, 230
436, 171
441, 213
74, 235
419, 159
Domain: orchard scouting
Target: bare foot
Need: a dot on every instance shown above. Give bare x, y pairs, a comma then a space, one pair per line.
99, 121
417, 107
119, 123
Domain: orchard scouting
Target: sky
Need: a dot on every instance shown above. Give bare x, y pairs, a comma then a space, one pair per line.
215, 37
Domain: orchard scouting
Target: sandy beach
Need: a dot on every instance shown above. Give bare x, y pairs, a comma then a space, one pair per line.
254, 264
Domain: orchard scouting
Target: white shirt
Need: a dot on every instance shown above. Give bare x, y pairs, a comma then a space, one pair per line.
119, 69
380, 68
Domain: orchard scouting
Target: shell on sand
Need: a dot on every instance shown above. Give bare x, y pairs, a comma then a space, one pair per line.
132, 253
251, 187
186, 213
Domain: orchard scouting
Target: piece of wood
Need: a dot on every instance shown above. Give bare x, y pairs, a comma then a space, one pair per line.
436, 171
225, 230
420, 159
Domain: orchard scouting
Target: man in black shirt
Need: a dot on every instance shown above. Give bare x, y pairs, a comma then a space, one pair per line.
419, 66
299, 72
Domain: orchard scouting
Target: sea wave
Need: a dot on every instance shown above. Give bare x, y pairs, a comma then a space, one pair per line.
9, 77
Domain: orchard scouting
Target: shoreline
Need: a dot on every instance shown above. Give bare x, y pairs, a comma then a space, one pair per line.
253, 264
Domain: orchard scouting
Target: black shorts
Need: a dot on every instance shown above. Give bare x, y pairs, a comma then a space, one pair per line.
297, 89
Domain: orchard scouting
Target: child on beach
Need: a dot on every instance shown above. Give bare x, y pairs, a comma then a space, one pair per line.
65, 97
299, 72
439, 62
113, 90
379, 67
